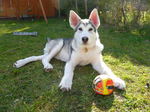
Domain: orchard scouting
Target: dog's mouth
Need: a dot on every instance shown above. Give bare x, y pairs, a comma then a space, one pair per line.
85, 43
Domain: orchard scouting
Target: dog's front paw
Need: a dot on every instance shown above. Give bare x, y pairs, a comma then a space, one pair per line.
65, 84
18, 64
48, 67
119, 83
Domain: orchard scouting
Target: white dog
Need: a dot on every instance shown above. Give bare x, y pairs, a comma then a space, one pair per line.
85, 48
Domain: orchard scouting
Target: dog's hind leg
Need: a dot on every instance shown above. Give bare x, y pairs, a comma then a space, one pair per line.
22, 62
55, 46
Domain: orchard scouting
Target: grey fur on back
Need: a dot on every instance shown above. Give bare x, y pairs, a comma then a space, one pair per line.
65, 51
67, 45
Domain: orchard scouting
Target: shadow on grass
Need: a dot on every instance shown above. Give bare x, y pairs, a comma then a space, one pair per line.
102, 103
80, 99
74, 101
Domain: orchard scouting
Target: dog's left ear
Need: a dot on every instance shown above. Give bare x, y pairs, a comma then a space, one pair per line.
94, 18
74, 19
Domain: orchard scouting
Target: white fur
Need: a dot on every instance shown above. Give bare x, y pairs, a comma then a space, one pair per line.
82, 54
48, 56
22, 62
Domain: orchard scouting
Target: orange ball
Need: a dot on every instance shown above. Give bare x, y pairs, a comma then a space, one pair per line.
103, 85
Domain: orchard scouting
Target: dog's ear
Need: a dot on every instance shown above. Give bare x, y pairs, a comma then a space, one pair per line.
94, 18
74, 19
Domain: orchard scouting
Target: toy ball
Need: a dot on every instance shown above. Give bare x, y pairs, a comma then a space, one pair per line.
103, 85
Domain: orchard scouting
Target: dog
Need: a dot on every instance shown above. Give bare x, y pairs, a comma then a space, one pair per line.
85, 48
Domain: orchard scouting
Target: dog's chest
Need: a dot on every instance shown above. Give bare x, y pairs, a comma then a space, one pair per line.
86, 56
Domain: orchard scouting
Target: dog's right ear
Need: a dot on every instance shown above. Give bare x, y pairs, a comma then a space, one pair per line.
74, 19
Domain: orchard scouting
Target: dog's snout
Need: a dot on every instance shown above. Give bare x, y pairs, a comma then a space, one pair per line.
85, 39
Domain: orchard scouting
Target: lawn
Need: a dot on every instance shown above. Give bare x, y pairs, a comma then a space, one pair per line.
30, 89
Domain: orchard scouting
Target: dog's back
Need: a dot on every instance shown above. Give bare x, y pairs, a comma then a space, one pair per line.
66, 50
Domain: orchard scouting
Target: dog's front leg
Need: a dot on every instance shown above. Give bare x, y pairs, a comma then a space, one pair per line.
66, 81
102, 68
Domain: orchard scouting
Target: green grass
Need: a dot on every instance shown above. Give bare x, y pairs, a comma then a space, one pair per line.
30, 89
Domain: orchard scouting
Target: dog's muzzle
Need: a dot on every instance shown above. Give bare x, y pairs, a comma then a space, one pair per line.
85, 40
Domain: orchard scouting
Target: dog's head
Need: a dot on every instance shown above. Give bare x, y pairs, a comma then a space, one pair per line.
85, 29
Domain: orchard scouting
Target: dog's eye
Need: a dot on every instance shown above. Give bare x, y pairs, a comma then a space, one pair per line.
80, 29
90, 29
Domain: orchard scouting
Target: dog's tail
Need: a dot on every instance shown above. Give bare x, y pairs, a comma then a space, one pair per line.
24, 61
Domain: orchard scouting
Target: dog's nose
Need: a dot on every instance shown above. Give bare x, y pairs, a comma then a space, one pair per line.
84, 39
